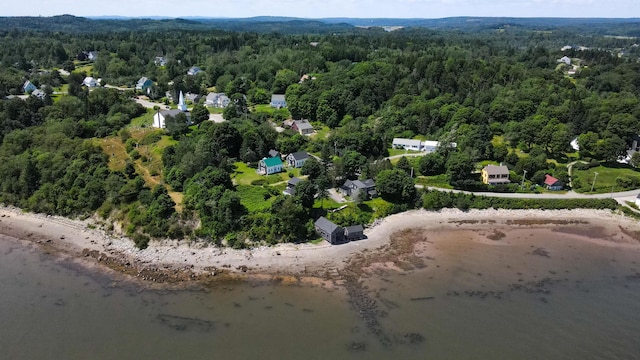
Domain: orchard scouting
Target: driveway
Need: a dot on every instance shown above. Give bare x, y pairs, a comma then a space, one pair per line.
336, 196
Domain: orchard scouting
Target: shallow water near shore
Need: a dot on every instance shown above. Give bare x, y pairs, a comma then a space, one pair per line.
530, 294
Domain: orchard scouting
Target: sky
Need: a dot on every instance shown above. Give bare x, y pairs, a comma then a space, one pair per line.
327, 8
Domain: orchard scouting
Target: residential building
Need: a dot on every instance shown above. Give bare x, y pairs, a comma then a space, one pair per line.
495, 175
160, 61
417, 145
354, 232
194, 70
329, 231
274, 153
303, 127
565, 59
552, 183
89, 82
217, 100
278, 101
144, 83
92, 55
28, 87
39, 94
194, 98
297, 159
354, 188
291, 186
268, 166
159, 119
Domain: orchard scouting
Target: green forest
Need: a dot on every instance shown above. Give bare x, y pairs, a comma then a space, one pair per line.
502, 95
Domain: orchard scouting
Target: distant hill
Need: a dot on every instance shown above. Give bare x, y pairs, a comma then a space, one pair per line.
585, 26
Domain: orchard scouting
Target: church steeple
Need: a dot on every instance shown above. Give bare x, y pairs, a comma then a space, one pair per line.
181, 105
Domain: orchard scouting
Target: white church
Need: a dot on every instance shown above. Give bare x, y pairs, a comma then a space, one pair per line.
161, 115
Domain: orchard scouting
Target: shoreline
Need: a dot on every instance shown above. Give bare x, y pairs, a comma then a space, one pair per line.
180, 262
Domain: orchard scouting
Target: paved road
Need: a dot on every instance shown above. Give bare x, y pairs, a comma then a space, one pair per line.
621, 197
148, 104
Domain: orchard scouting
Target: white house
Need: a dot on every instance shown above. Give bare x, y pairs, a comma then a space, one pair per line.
39, 94
565, 59
417, 145
92, 55
278, 101
194, 70
268, 166
297, 159
89, 82
217, 100
160, 61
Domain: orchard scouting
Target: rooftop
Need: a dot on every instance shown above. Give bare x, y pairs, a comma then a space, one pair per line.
496, 169
326, 225
272, 161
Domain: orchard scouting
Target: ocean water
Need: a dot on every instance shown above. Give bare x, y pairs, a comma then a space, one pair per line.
531, 295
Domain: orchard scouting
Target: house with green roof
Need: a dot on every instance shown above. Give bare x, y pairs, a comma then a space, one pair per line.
268, 166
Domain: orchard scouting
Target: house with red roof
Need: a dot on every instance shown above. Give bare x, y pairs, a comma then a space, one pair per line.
552, 183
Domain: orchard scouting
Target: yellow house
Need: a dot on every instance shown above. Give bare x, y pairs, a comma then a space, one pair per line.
494, 175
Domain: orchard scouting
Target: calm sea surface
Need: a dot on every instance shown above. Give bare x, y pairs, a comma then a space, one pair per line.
471, 301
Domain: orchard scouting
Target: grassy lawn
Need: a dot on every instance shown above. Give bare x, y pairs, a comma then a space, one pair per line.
322, 131
394, 152
244, 175
327, 204
610, 177
149, 165
87, 69
214, 110
441, 181
114, 148
253, 197
64, 88
145, 120
266, 108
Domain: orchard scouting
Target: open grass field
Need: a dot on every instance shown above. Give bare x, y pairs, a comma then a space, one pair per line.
87, 69
441, 181
321, 131
149, 165
611, 177
266, 108
244, 175
255, 198
114, 148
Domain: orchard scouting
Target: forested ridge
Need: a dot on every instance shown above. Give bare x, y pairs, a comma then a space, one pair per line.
501, 96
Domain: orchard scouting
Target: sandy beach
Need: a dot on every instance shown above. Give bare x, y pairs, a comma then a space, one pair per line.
82, 240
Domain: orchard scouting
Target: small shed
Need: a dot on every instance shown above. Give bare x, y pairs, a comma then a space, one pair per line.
354, 232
